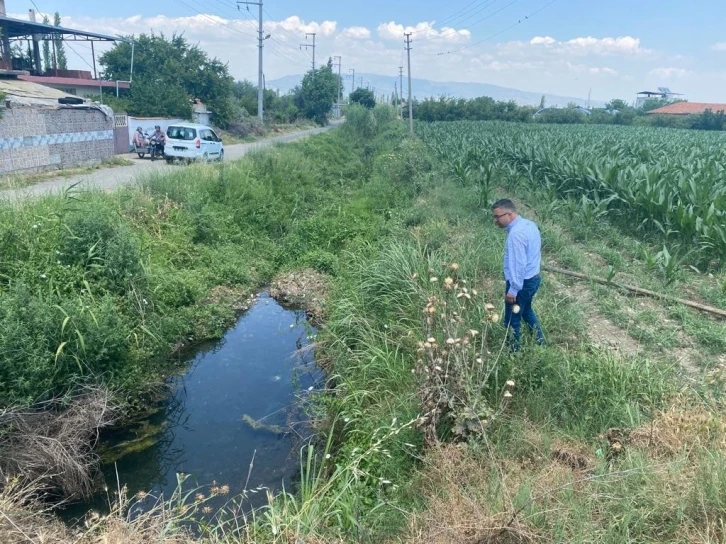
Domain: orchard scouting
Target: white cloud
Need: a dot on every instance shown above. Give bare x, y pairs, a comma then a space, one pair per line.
669, 73
542, 40
720, 46
605, 70
356, 33
422, 32
588, 45
295, 25
611, 66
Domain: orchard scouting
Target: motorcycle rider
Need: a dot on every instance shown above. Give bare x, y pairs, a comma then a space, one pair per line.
158, 138
139, 139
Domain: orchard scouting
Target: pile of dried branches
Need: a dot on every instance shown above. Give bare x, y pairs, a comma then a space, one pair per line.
51, 445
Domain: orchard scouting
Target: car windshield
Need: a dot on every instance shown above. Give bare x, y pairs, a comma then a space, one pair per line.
181, 133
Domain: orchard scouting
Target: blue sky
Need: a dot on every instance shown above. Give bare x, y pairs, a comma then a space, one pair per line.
615, 48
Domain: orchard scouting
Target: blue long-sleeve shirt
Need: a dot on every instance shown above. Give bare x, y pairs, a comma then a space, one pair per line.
522, 253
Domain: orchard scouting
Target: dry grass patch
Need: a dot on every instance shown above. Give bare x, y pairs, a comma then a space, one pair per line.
51, 446
476, 497
23, 520
305, 288
681, 429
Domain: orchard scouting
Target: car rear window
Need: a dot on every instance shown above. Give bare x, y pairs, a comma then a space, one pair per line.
181, 133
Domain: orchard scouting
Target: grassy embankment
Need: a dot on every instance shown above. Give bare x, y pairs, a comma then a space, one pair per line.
103, 286
586, 443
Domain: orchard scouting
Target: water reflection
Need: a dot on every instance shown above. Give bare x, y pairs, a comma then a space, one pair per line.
260, 369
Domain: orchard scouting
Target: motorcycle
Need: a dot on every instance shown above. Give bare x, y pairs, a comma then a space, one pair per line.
156, 147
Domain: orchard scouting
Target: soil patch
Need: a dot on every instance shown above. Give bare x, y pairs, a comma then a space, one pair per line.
305, 288
601, 332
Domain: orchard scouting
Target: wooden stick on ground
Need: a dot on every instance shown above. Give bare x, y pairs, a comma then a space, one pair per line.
638, 290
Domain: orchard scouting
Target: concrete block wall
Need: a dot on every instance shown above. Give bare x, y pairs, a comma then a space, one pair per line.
34, 139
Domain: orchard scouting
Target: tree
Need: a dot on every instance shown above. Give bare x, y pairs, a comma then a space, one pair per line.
170, 70
708, 120
317, 93
653, 103
60, 51
156, 97
617, 104
21, 60
364, 97
542, 102
245, 92
47, 59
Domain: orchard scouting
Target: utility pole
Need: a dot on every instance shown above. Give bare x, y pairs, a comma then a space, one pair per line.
361, 82
410, 103
306, 45
400, 80
261, 39
340, 81
352, 81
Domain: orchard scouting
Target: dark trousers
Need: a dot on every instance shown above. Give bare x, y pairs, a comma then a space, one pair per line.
513, 321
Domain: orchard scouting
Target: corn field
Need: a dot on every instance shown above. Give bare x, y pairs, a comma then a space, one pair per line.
668, 185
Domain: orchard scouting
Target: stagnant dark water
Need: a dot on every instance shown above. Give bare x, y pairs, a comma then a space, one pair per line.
261, 368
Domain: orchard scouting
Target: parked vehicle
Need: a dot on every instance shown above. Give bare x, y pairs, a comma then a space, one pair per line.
190, 142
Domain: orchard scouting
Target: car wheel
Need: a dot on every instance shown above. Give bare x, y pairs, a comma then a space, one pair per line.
205, 157
221, 156
141, 155
169, 160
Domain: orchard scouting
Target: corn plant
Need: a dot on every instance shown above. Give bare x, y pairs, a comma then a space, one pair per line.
670, 185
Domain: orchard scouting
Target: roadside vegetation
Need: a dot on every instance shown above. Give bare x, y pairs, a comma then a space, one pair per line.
168, 88
615, 112
430, 430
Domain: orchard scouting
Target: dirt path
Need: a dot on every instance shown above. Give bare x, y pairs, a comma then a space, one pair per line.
111, 178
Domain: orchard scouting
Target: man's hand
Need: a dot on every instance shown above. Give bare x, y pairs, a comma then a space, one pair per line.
510, 299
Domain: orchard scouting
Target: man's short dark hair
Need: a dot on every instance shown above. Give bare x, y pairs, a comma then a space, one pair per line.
504, 204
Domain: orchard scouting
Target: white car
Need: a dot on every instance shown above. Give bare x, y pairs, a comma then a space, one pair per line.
193, 142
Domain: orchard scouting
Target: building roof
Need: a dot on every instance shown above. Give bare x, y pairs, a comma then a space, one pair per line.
687, 108
74, 82
18, 29
660, 93
17, 88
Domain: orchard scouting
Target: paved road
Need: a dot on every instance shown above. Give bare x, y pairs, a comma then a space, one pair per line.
110, 178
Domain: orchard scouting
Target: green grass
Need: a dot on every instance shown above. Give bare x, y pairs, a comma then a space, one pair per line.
94, 285
415, 259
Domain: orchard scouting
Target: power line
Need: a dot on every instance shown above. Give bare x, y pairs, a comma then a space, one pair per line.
78, 55
466, 16
447, 19
229, 28
448, 33
519, 22
224, 25
288, 48
281, 44
306, 45
261, 40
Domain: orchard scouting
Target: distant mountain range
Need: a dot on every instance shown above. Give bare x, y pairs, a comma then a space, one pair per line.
424, 88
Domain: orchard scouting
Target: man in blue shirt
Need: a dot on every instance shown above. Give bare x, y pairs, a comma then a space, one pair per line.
522, 256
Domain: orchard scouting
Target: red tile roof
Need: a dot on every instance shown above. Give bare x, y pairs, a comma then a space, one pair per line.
687, 108
73, 82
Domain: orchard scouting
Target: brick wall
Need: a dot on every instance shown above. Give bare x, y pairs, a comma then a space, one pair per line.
33, 139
